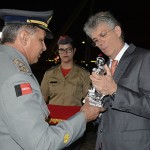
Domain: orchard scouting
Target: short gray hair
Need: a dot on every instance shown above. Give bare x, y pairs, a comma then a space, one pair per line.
10, 31
98, 18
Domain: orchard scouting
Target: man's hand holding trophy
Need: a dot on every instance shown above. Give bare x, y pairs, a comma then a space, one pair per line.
96, 98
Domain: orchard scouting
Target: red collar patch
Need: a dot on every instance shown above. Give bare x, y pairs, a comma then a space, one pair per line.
23, 89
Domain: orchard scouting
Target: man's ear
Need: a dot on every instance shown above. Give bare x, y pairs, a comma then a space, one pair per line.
24, 36
118, 30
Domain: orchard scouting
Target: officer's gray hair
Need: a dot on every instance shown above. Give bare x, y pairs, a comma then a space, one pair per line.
101, 17
10, 31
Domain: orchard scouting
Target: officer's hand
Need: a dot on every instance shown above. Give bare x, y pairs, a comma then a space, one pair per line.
91, 112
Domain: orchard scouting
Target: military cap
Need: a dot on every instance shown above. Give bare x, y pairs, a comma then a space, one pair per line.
40, 19
65, 39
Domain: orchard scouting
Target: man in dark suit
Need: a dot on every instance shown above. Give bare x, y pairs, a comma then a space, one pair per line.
125, 123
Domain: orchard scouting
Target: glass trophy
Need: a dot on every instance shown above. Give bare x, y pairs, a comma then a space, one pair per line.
96, 98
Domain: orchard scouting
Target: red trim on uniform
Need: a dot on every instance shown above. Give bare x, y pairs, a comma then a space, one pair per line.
58, 112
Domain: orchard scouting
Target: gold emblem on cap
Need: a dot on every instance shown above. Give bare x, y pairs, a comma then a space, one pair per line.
38, 22
66, 138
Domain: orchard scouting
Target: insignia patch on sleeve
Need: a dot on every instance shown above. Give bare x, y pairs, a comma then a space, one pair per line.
23, 89
66, 138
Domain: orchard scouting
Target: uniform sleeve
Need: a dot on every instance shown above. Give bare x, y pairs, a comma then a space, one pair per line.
86, 83
44, 85
23, 111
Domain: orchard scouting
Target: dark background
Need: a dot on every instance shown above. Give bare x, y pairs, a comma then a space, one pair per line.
69, 18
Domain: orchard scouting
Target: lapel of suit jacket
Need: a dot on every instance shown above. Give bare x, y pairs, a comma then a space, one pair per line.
123, 63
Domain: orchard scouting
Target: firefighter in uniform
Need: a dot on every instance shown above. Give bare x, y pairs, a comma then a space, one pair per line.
65, 84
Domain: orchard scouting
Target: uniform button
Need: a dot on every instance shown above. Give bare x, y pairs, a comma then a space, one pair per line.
123, 109
101, 130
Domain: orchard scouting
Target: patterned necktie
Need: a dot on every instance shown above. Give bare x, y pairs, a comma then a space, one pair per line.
113, 66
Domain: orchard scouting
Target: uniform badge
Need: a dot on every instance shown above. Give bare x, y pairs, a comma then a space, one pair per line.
21, 66
66, 138
23, 89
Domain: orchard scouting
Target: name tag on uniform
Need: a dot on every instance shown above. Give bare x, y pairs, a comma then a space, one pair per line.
53, 82
23, 89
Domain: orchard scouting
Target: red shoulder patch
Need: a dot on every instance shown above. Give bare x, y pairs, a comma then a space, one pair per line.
23, 89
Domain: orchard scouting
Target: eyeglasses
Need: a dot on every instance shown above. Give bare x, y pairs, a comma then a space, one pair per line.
67, 50
102, 36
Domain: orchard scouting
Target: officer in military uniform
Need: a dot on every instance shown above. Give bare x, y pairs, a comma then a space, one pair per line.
23, 110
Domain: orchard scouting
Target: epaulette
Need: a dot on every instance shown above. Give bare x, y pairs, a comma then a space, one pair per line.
20, 65
82, 67
53, 67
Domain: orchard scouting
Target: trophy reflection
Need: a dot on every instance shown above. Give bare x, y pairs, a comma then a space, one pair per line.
96, 98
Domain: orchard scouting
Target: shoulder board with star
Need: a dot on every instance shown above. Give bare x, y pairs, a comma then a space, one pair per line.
20, 65
53, 67
82, 67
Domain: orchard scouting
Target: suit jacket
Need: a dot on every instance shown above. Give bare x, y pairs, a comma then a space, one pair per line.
23, 110
126, 123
